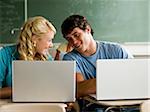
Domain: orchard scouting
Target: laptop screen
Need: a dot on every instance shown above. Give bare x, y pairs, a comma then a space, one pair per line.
122, 79
43, 81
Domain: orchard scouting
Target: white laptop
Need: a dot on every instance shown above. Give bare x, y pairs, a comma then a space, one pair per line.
43, 81
118, 79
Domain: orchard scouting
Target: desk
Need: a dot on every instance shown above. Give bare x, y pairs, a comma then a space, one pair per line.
8, 106
4, 101
120, 103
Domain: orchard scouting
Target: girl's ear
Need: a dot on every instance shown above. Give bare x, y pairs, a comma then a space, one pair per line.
34, 39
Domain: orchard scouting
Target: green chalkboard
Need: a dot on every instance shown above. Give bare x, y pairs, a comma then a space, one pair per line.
112, 20
11, 19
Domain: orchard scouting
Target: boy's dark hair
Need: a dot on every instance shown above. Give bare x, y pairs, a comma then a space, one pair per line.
72, 22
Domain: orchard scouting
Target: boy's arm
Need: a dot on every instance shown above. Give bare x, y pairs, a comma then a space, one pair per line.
85, 87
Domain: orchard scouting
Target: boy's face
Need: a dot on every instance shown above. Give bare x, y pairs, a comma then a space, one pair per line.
79, 39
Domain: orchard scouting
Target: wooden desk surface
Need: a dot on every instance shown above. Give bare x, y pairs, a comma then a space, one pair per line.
5, 101
9, 101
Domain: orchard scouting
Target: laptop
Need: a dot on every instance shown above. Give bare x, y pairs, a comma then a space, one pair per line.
43, 81
120, 79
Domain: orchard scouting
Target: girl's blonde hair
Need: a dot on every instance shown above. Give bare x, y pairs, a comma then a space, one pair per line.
33, 26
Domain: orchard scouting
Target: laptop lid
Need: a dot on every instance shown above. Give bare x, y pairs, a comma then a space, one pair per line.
122, 79
43, 81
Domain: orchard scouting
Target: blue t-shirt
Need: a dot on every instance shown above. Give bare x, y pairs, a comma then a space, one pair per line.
7, 55
86, 65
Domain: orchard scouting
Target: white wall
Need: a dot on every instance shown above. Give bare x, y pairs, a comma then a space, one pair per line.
138, 50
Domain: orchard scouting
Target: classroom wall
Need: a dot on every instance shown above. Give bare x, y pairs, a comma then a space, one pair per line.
112, 20
138, 50
123, 21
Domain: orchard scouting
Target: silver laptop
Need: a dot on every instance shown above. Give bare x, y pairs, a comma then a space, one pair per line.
118, 79
43, 81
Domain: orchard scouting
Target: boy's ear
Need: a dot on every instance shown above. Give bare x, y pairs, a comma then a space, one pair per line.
88, 29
